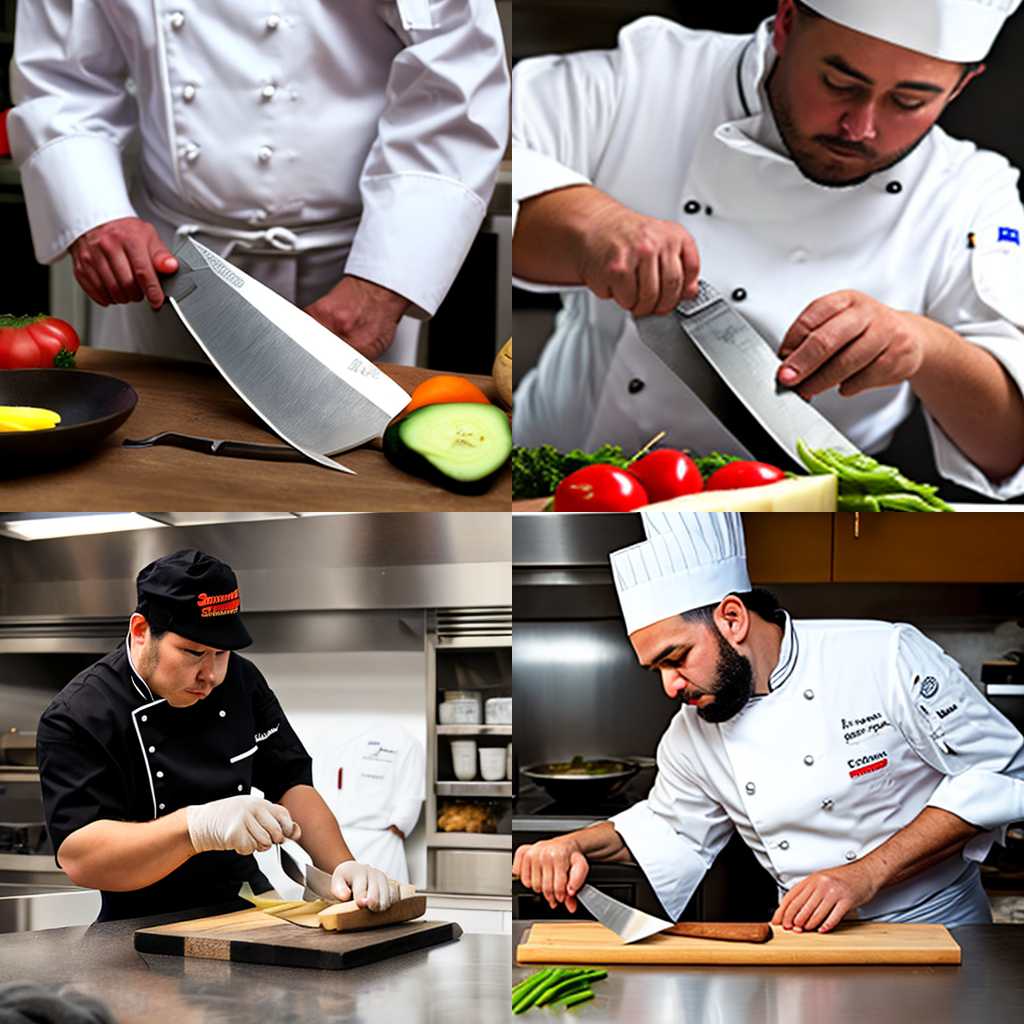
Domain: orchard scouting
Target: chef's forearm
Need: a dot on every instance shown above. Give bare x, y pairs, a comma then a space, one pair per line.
972, 397
601, 842
321, 837
931, 837
549, 232
120, 856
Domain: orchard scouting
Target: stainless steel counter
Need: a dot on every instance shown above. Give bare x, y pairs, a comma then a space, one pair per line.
987, 986
466, 980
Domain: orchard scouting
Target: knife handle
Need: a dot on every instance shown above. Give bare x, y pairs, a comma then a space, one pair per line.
728, 932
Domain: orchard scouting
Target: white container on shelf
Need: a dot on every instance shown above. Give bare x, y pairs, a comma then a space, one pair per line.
508, 761
459, 712
464, 759
492, 763
498, 711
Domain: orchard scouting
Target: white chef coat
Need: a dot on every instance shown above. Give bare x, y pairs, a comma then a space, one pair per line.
866, 723
373, 128
376, 779
675, 125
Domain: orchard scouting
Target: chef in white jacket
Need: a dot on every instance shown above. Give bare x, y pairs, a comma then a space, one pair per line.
344, 154
377, 793
855, 759
799, 171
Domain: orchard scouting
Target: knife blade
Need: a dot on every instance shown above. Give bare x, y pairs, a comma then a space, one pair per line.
632, 925
214, 446
308, 385
732, 370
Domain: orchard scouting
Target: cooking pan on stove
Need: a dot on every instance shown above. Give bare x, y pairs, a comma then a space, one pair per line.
582, 781
91, 406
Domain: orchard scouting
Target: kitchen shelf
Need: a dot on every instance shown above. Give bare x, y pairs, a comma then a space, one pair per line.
474, 789
472, 840
474, 730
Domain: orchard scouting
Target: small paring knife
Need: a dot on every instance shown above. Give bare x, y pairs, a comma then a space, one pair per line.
231, 449
632, 925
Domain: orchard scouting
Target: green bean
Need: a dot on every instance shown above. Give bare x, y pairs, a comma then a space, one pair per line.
559, 989
530, 980
526, 999
579, 997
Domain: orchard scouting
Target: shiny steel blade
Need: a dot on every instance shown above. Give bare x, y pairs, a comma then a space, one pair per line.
313, 389
318, 884
630, 924
733, 371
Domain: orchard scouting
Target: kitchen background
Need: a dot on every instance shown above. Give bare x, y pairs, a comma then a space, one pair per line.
355, 619
579, 691
471, 324
986, 113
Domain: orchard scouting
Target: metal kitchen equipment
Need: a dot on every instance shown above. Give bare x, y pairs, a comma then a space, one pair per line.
732, 370
310, 387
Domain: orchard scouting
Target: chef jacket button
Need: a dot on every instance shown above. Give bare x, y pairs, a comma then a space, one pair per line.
750, 788
222, 713
152, 750
808, 694
144, 717
263, 154
273, 21
798, 255
808, 760
159, 775
163, 807
784, 845
177, 20
692, 206
894, 188
739, 294
636, 385
850, 855
240, 789
192, 153
708, 210
826, 805
188, 93
267, 92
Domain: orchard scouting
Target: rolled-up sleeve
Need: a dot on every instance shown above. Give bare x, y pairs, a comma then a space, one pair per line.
430, 173
959, 733
676, 833
72, 118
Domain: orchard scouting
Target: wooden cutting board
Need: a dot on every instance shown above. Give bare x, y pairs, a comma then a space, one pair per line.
587, 942
250, 936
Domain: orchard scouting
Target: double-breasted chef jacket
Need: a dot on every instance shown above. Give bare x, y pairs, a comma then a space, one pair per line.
675, 124
367, 132
866, 724
109, 749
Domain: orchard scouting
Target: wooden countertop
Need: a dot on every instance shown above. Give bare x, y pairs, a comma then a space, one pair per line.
192, 398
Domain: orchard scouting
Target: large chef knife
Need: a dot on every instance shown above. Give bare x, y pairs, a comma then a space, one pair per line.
310, 387
632, 925
732, 370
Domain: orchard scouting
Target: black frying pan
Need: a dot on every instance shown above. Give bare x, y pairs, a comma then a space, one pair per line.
91, 406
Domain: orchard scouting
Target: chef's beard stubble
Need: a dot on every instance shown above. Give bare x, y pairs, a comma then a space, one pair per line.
734, 683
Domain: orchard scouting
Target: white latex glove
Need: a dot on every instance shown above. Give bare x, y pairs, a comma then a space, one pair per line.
368, 886
239, 823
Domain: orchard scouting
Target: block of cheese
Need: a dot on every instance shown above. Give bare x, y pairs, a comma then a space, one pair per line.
804, 494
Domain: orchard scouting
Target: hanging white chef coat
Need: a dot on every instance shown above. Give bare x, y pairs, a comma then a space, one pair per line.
866, 723
376, 778
675, 125
372, 129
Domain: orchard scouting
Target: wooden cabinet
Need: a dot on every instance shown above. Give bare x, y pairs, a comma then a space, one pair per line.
900, 547
789, 547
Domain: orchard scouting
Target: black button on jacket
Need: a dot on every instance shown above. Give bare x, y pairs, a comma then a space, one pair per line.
109, 748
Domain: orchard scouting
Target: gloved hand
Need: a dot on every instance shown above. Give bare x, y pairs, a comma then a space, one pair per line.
368, 886
239, 823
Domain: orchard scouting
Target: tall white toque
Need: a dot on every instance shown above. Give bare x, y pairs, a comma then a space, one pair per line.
960, 30
689, 560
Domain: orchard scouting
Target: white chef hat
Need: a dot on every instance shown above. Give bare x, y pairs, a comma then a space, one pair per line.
960, 30
689, 560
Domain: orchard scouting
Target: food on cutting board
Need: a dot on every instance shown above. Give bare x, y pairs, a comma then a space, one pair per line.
442, 390
798, 494
737, 475
502, 373
600, 489
666, 473
36, 342
331, 916
27, 417
461, 445
556, 986
466, 816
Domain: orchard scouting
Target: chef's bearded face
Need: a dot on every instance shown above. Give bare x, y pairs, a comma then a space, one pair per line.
848, 105
174, 667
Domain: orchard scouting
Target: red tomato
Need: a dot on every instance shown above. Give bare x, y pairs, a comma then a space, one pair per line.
743, 474
667, 473
36, 342
599, 488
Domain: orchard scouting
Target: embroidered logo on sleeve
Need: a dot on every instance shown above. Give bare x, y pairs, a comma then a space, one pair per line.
929, 687
942, 712
867, 764
261, 736
1009, 235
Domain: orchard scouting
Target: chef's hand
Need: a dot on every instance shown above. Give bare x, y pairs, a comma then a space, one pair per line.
239, 823
121, 261
851, 340
556, 868
362, 313
823, 899
646, 265
368, 886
